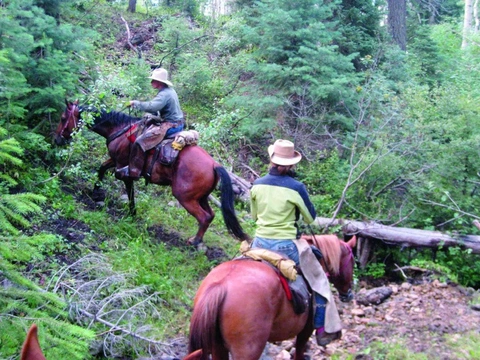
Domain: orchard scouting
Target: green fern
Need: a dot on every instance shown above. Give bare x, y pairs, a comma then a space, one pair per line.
22, 303
14, 208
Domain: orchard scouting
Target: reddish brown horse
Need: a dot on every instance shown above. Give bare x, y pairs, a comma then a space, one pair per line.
192, 177
241, 305
31, 347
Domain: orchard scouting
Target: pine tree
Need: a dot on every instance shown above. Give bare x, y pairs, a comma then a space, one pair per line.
291, 59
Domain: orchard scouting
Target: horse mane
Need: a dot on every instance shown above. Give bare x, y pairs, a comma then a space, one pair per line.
329, 245
111, 118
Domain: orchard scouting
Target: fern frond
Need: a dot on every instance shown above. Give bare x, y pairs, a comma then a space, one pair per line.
9, 151
14, 208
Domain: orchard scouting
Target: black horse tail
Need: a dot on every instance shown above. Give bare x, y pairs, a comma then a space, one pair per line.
227, 202
204, 325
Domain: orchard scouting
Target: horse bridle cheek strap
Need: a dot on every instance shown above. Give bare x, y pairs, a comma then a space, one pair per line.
349, 295
70, 114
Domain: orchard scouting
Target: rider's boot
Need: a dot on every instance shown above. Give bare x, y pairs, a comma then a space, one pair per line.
323, 338
134, 170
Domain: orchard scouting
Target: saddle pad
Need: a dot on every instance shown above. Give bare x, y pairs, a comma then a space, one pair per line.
285, 265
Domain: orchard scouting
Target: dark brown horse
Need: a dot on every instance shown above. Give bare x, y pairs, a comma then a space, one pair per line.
192, 177
241, 305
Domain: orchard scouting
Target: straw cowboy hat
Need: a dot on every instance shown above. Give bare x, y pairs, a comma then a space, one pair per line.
282, 152
160, 75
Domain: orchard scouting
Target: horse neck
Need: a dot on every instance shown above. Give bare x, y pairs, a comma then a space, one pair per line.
107, 124
331, 251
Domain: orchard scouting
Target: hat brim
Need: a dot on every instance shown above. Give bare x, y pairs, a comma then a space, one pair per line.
277, 160
162, 81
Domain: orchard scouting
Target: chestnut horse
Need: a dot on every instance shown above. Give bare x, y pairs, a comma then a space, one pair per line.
31, 347
241, 305
192, 177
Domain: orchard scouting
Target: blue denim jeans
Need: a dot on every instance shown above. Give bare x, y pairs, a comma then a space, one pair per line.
289, 248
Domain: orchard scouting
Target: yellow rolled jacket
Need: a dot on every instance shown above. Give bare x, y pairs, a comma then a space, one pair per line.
276, 203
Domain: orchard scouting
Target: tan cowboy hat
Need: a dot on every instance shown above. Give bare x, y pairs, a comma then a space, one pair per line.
160, 75
282, 152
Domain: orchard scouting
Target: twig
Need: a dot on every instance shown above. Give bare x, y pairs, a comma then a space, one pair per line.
128, 38
114, 327
400, 269
450, 208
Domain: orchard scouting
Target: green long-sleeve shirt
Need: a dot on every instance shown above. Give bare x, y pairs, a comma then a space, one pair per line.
277, 202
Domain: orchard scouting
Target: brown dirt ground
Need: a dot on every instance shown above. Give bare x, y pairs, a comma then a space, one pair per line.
421, 314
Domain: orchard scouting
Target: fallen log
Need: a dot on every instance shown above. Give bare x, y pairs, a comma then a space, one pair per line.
241, 187
404, 237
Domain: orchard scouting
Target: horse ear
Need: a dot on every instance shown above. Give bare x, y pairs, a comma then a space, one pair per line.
67, 102
352, 242
31, 348
75, 102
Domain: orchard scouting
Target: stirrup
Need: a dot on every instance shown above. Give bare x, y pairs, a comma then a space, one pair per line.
122, 173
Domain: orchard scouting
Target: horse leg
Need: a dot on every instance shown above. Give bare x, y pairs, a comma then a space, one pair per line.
131, 196
204, 217
97, 193
302, 339
219, 352
104, 167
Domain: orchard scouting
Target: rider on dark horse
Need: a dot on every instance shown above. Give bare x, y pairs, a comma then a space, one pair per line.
277, 201
163, 118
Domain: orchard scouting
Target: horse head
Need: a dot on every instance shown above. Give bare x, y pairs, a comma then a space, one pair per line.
69, 121
338, 261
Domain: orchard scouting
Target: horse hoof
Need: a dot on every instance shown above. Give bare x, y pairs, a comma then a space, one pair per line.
194, 242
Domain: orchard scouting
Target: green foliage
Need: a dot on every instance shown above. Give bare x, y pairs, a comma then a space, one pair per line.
360, 28
14, 208
325, 178
36, 61
466, 345
289, 61
395, 349
443, 272
375, 270
24, 303
425, 57
462, 264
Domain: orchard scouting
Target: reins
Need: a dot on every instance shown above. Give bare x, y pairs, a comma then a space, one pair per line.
120, 132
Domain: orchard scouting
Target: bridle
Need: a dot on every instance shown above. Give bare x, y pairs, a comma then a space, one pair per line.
345, 297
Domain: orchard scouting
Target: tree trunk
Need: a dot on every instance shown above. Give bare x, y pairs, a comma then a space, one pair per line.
132, 6
476, 19
397, 22
467, 22
404, 237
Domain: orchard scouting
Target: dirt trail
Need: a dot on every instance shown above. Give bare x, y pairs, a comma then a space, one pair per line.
422, 314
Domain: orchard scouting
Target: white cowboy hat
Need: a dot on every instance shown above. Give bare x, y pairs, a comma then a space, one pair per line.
160, 75
282, 152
